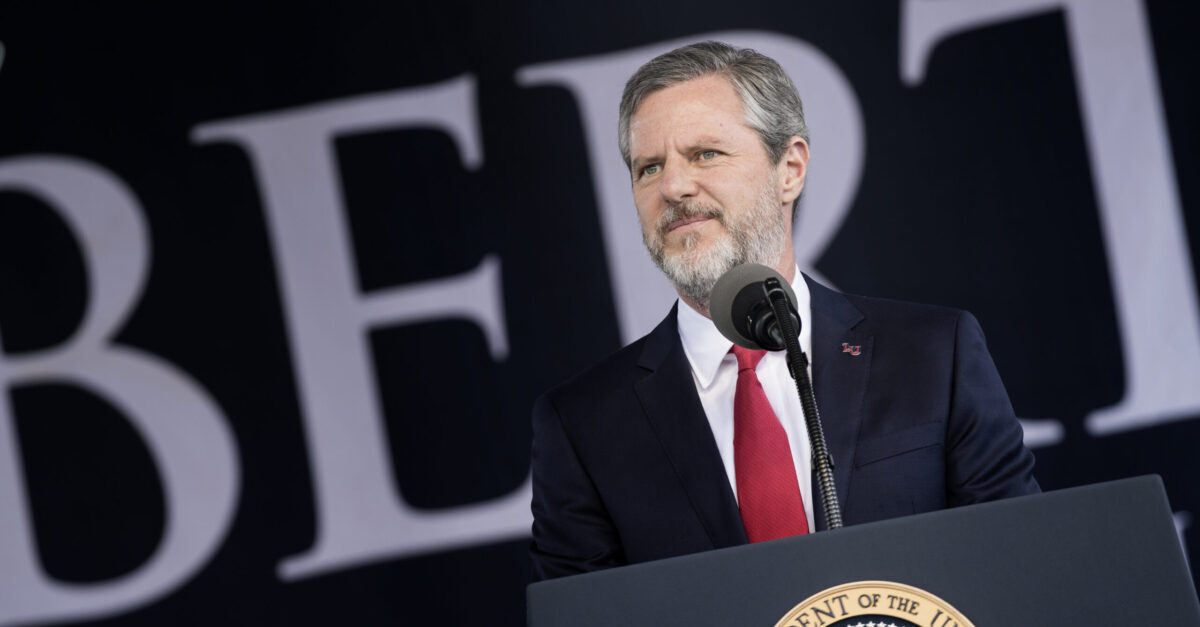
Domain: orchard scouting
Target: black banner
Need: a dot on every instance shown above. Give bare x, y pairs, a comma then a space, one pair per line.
278, 287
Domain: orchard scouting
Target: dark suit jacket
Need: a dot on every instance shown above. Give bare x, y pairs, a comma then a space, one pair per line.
625, 468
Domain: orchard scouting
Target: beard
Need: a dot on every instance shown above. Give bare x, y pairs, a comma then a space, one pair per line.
756, 235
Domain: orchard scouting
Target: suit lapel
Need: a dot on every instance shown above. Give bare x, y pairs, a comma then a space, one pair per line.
839, 382
668, 396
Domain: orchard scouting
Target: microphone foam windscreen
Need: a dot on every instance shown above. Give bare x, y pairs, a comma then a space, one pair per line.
725, 306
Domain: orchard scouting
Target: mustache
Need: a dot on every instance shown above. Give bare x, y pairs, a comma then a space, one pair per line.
687, 211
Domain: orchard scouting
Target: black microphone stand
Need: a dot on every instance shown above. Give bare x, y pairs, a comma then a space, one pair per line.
798, 365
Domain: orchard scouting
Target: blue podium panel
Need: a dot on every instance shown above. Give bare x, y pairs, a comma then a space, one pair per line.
1104, 554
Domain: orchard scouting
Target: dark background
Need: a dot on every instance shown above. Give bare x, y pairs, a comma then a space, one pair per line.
976, 193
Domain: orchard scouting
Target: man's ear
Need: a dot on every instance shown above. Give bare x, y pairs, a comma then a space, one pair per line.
793, 167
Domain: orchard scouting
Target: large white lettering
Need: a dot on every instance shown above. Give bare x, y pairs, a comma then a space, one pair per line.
182, 426
1148, 255
641, 294
359, 518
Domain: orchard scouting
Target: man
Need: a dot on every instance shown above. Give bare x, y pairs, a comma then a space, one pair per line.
678, 444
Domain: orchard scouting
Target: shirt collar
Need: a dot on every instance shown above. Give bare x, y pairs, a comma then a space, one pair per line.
704, 345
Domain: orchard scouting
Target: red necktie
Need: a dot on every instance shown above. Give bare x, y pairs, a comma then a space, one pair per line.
767, 490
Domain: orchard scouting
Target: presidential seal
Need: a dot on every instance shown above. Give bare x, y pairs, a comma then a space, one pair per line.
873, 604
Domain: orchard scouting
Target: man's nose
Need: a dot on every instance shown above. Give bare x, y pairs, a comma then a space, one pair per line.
678, 182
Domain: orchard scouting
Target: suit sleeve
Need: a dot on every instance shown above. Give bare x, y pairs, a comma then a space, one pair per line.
572, 531
985, 454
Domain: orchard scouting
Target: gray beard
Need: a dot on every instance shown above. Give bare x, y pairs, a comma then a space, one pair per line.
756, 236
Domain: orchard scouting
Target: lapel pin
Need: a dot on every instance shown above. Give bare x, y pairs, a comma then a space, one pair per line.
853, 350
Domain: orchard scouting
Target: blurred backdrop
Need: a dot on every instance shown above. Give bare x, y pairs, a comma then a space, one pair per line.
279, 284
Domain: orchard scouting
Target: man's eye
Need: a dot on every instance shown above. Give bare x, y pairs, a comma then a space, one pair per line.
651, 169
708, 154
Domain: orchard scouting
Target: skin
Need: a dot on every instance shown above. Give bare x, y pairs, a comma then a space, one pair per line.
690, 141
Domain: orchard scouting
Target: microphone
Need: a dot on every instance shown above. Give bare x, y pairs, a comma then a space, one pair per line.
754, 307
740, 306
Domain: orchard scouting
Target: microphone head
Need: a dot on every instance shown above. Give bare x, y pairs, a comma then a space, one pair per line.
737, 306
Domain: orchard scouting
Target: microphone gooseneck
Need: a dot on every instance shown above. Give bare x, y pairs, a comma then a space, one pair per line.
754, 307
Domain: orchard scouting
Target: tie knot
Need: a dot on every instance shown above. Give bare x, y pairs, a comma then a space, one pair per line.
747, 359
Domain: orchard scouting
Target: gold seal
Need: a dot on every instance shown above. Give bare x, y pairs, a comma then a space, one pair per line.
841, 605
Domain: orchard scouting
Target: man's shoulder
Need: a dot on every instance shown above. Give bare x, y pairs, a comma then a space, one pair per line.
882, 314
889, 309
610, 370
619, 371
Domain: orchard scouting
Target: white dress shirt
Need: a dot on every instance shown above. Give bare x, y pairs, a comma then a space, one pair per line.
714, 369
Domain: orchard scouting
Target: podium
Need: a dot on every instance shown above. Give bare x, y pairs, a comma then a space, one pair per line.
1104, 554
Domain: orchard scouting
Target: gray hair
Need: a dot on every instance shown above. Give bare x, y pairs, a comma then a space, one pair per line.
772, 105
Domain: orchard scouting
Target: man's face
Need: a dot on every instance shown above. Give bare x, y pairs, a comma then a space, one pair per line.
707, 194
